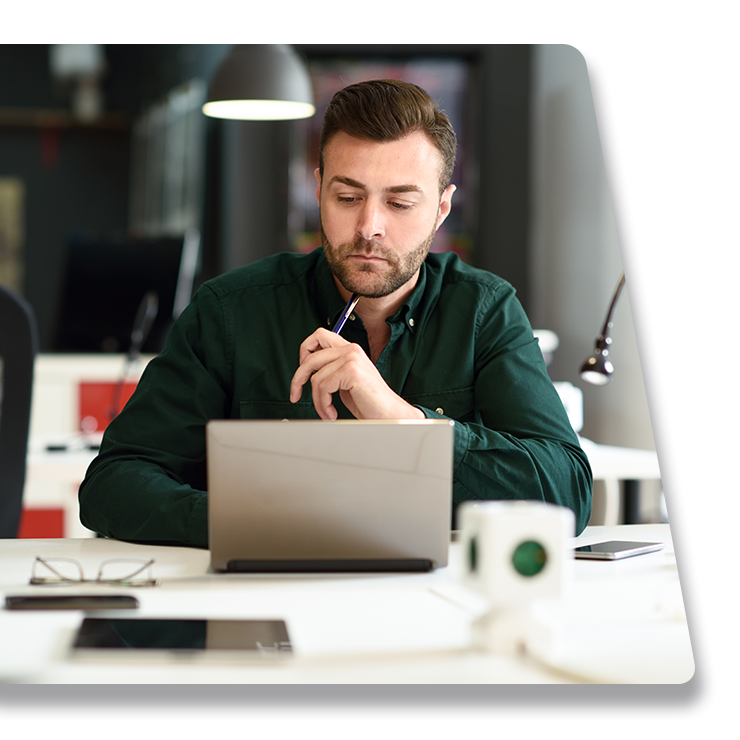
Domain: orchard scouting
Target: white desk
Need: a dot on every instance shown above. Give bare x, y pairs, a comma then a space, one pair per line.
622, 622
53, 479
614, 464
58, 467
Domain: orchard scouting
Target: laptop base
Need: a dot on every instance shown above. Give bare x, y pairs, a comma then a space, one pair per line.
330, 566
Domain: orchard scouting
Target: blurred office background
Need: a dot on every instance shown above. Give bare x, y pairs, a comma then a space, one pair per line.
119, 150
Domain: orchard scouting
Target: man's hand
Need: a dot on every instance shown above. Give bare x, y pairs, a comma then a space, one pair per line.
335, 365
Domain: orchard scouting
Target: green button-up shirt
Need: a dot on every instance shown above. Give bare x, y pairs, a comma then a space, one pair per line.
461, 347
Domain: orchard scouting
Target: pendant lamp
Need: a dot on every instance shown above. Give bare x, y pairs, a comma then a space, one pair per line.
260, 82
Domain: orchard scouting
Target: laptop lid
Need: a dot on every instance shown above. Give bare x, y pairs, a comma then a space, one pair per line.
311, 495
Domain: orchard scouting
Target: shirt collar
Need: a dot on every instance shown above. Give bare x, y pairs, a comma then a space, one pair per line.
331, 302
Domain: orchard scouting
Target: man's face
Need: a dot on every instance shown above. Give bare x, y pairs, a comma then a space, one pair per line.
380, 208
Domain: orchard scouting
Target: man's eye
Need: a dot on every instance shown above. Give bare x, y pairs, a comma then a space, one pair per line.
346, 199
400, 206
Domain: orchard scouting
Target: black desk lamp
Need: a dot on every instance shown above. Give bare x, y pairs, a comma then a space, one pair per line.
598, 369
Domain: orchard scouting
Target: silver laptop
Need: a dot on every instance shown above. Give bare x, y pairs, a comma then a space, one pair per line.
313, 496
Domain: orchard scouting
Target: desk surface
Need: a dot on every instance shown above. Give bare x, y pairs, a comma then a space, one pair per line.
623, 622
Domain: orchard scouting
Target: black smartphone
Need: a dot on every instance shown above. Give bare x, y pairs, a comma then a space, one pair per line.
616, 550
71, 601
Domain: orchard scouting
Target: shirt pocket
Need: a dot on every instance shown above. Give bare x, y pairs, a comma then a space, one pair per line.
458, 404
277, 410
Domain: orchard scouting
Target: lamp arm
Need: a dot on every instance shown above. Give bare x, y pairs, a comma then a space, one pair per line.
608, 321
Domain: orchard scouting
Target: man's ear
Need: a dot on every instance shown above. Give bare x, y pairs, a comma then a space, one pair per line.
445, 205
317, 175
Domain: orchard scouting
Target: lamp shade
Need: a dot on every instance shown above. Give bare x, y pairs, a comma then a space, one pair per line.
598, 369
260, 82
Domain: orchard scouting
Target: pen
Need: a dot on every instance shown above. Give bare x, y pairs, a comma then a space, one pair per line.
351, 303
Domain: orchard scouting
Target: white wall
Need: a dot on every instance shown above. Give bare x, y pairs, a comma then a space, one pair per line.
575, 249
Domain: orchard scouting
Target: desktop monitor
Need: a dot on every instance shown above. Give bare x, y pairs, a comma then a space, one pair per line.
104, 282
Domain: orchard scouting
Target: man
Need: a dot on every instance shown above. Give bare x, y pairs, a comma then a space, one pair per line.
431, 337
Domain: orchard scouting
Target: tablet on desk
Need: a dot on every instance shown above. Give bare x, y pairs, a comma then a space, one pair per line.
261, 640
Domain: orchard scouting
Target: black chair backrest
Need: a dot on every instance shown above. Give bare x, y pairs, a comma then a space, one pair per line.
18, 347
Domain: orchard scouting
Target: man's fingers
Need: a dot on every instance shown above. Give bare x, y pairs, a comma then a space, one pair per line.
312, 362
320, 339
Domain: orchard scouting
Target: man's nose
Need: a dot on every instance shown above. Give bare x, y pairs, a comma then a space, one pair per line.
371, 223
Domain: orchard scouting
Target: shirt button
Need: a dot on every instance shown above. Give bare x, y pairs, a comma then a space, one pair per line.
411, 322
439, 411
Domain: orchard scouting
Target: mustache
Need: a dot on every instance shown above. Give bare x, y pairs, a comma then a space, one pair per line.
370, 248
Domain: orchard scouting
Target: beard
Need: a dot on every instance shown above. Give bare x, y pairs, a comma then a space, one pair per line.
371, 281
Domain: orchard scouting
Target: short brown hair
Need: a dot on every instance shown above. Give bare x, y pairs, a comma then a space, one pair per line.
388, 110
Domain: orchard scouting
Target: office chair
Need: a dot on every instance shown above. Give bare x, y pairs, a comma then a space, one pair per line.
18, 347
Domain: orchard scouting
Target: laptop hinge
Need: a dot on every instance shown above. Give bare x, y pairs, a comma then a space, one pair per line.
374, 565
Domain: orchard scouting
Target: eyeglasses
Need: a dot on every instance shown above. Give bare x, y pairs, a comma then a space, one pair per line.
118, 572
